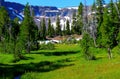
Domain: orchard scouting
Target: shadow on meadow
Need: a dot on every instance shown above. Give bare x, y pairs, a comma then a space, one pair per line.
12, 71
56, 53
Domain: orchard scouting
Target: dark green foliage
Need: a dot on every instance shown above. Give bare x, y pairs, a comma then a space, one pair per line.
77, 24
64, 30
50, 31
79, 21
35, 46
28, 30
4, 22
80, 10
105, 30
100, 12
58, 27
93, 7
67, 28
43, 29
85, 45
100, 9
73, 23
4, 29
118, 38
15, 29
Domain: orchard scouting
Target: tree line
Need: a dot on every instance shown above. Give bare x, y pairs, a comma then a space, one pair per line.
103, 28
16, 37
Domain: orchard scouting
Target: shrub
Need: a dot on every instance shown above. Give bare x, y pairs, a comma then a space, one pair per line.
48, 46
85, 45
70, 40
35, 46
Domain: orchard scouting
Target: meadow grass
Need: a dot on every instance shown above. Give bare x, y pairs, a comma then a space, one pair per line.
68, 63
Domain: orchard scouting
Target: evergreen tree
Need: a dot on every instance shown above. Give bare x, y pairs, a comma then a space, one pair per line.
79, 23
114, 18
118, 25
68, 28
80, 10
107, 32
58, 27
43, 29
100, 9
49, 32
73, 23
28, 30
79, 26
4, 23
64, 30
118, 39
4, 29
93, 7
86, 44
52, 31
15, 29
14, 34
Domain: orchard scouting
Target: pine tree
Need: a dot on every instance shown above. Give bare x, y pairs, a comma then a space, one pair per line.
80, 10
4, 22
79, 26
107, 32
79, 23
73, 23
15, 29
117, 29
52, 31
14, 35
114, 18
27, 30
118, 39
4, 29
49, 32
100, 9
67, 27
43, 29
85, 45
64, 30
58, 27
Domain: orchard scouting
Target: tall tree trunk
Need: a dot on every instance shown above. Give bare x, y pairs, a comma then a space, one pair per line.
94, 42
109, 53
28, 47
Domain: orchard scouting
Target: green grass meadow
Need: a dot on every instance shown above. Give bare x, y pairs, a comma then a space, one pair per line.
65, 62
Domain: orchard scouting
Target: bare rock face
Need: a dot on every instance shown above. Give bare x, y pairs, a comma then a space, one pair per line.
1, 2
16, 10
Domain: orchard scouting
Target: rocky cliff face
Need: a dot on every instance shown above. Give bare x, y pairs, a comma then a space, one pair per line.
16, 10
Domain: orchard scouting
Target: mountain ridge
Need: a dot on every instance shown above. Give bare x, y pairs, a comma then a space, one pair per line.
16, 9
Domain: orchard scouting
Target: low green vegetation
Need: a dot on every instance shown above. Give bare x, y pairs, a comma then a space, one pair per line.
48, 46
95, 56
64, 62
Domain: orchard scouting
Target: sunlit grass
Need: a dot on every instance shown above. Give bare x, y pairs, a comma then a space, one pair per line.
74, 64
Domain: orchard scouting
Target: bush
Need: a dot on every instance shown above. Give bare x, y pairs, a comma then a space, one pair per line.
48, 46
7, 47
35, 46
70, 40
85, 45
